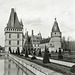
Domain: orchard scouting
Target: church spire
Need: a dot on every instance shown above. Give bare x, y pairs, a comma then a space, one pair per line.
55, 27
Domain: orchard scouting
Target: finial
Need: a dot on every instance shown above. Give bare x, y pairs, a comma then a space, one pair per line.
55, 19
12, 8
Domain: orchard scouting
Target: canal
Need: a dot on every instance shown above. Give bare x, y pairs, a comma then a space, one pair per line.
12, 66
8, 67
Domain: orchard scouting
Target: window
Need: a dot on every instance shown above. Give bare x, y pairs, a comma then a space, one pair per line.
9, 42
17, 42
17, 35
35, 45
38, 45
9, 35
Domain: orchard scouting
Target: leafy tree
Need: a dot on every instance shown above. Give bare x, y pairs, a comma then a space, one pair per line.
46, 56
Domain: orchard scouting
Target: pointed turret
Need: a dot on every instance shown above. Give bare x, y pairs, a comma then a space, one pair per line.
13, 20
14, 33
56, 34
55, 27
21, 23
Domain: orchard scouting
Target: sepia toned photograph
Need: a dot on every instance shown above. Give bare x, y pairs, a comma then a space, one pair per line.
37, 37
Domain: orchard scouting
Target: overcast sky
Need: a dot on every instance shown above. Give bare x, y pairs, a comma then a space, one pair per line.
39, 15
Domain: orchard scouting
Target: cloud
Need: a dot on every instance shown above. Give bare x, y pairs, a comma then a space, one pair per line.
34, 22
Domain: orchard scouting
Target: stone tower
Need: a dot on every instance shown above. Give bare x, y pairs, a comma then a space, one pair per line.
13, 33
55, 42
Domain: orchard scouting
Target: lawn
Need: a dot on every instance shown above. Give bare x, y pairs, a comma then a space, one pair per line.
56, 67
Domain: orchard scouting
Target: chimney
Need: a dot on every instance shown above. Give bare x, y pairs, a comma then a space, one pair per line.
32, 33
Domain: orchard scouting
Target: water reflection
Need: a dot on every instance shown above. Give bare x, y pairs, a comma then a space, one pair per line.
1, 67
10, 68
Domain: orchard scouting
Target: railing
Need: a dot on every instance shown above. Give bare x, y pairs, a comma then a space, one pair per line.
27, 67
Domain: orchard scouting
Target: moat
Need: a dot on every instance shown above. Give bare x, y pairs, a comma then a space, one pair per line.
8, 67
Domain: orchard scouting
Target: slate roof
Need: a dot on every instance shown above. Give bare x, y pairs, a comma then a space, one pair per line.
13, 20
55, 27
45, 40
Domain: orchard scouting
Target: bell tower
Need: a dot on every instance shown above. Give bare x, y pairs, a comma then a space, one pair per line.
55, 41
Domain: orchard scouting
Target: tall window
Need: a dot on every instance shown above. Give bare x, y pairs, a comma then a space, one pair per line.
17, 42
17, 35
38, 45
9, 35
9, 42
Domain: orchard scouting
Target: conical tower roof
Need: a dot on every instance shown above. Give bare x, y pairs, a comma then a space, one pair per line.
55, 27
13, 20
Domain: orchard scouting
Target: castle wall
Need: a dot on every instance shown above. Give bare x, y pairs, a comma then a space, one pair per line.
14, 41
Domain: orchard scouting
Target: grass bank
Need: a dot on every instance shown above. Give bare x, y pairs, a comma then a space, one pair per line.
53, 66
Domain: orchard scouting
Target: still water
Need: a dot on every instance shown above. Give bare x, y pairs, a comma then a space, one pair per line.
8, 67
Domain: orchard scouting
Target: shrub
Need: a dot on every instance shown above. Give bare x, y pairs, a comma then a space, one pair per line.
72, 69
32, 58
26, 53
34, 52
39, 54
56, 51
13, 51
18, 51
46, 56
10, 50
60, 55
